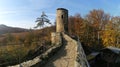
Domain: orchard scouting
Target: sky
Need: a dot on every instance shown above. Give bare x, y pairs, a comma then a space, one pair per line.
23, 13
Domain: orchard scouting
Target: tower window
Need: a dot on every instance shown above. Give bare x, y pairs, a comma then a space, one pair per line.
62, 16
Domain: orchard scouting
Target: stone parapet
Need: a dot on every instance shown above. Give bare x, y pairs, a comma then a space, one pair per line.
56, 38
39, 60
80, 56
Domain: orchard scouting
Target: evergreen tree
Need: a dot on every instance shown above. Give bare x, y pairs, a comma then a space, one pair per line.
42, 20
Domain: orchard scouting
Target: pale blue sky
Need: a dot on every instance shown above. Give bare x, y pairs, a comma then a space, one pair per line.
23, 13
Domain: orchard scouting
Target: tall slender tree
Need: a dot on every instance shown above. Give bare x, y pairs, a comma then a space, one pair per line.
42, 20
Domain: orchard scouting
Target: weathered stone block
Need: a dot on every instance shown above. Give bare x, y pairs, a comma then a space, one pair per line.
56, 38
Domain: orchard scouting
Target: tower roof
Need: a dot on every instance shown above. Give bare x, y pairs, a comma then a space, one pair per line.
62, 9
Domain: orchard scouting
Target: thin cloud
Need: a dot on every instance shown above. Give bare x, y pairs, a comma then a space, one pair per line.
41, 4
9, 12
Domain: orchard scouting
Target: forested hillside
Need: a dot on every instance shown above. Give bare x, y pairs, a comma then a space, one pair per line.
97, 29
18, 47
7, 29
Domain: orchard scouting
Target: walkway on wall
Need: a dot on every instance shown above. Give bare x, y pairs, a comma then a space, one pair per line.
71, 54
66, 56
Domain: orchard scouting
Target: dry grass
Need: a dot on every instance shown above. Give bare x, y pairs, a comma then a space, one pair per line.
17, 52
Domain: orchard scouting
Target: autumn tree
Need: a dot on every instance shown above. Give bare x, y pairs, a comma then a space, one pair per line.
71, 25
116, 24
80, 27
98, 20
109, 35
76, 25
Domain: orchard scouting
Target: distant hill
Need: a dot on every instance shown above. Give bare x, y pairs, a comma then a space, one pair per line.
7, 29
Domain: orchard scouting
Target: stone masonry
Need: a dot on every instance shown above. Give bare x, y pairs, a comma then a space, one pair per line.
70, 52
62, 20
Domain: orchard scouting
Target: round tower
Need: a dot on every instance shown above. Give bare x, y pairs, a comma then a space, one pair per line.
62, 20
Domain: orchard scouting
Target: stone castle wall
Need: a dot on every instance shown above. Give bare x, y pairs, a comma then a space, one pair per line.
43, 58
56, 39
80, 57
81, 60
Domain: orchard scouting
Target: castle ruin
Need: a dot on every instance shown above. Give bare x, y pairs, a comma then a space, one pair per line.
66, 52
62, 20
61, 25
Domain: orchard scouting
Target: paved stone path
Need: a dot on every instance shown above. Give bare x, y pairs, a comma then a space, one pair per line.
65, 57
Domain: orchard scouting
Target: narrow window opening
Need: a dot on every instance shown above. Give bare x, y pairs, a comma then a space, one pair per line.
62, 16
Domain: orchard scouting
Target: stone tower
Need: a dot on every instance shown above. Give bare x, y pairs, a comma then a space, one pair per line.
62, 20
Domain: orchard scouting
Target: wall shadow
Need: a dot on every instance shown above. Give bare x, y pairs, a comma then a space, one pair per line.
61, 53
